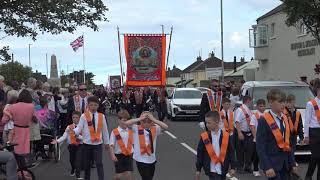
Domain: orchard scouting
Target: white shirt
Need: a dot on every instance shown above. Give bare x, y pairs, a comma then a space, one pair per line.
241, 118
62, 102
84, 129
254, 120
234, 100
52, 105
276, 118
66, 136
310, 120
216, 168
145, 158
124, 136
85, 102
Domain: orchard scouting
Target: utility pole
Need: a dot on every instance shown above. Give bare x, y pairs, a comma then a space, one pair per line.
222, 50
30, 55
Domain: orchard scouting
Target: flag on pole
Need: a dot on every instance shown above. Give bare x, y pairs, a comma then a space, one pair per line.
77, 43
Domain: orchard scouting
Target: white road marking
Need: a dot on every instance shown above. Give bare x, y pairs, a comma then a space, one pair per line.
170, 134
189, 148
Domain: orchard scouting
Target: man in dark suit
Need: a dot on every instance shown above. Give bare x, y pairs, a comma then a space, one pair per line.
215, 153
273, 140
205, 104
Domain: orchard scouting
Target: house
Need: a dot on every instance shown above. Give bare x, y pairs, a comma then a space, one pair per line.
244, 72
173, 76
198, 73
284, 53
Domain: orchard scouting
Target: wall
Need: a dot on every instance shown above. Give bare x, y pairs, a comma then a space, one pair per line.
284, 63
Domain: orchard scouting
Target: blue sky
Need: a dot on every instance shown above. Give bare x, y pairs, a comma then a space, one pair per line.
196, 28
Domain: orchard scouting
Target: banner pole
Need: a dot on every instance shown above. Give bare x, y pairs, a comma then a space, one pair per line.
84, 65
169, 48
120, 57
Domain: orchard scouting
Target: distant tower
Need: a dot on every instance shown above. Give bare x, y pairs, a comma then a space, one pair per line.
54, 80
54, 67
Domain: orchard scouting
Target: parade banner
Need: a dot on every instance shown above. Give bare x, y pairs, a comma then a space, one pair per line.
146, 58
115, 82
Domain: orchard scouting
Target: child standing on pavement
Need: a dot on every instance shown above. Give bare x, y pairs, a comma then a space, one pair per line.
74, 145
121, 147
261, 107
215, 153
145, 140
93, 127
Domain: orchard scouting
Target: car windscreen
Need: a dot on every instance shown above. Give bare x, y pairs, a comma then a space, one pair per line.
187, 94
302, 94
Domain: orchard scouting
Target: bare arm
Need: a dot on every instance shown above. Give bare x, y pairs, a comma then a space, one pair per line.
160, 123
133, 121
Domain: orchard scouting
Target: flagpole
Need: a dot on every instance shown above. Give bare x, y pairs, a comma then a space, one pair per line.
84, 65
169, 48
120, 57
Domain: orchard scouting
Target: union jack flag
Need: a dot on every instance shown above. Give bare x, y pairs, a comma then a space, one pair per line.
77, 43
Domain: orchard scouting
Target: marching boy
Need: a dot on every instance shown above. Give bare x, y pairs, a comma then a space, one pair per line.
74, 145
215, 152
273, 139
94, 130
121, 147
145, 140
261, 107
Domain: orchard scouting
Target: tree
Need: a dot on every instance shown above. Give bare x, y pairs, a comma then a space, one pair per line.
26, 18
306, 12
14, 71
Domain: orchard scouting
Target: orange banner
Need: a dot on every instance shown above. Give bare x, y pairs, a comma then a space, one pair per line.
146, 60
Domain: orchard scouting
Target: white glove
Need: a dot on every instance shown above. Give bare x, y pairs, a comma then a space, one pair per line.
202, 125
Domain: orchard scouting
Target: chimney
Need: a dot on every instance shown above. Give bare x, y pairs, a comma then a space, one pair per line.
212, 55
242, 59
168, 68
235, 64
199, 58
174, 67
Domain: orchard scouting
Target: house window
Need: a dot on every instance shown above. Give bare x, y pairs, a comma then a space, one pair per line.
302, 29
259, 36
272, 30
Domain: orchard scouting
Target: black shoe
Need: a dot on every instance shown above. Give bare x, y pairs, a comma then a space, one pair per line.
248, 170
72, 173
93, 165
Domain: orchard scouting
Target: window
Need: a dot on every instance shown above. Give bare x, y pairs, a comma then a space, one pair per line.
258, 36
302, 29
272, 30
187, 94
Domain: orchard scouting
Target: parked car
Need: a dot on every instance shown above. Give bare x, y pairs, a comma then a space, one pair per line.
302, 92
184, 103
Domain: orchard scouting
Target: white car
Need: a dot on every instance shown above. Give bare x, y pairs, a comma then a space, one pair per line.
301, 91
184, 103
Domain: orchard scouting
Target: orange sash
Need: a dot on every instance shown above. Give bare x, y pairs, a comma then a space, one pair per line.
212, 103
76, 100
296, 123
282, 144
127, 151
144, 149
95, 135
72, 135
246, 114
228, 125
316, 109
209, 148
219, 100
257, 115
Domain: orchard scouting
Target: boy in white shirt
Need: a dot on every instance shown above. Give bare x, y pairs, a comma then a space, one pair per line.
145, 137
74, 145
121, 147
93, 127
261, 107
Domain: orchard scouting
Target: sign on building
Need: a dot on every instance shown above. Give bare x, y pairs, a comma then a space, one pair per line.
213, 73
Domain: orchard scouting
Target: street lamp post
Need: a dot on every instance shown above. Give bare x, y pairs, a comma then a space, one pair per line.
29, 55
222, 50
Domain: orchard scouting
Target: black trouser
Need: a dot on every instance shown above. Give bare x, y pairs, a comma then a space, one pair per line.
93, 152
215, 176
138, 110
255, 158
146, 171
281, 175
314, 136
245, 150
162, 110
75, 158
63, 123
